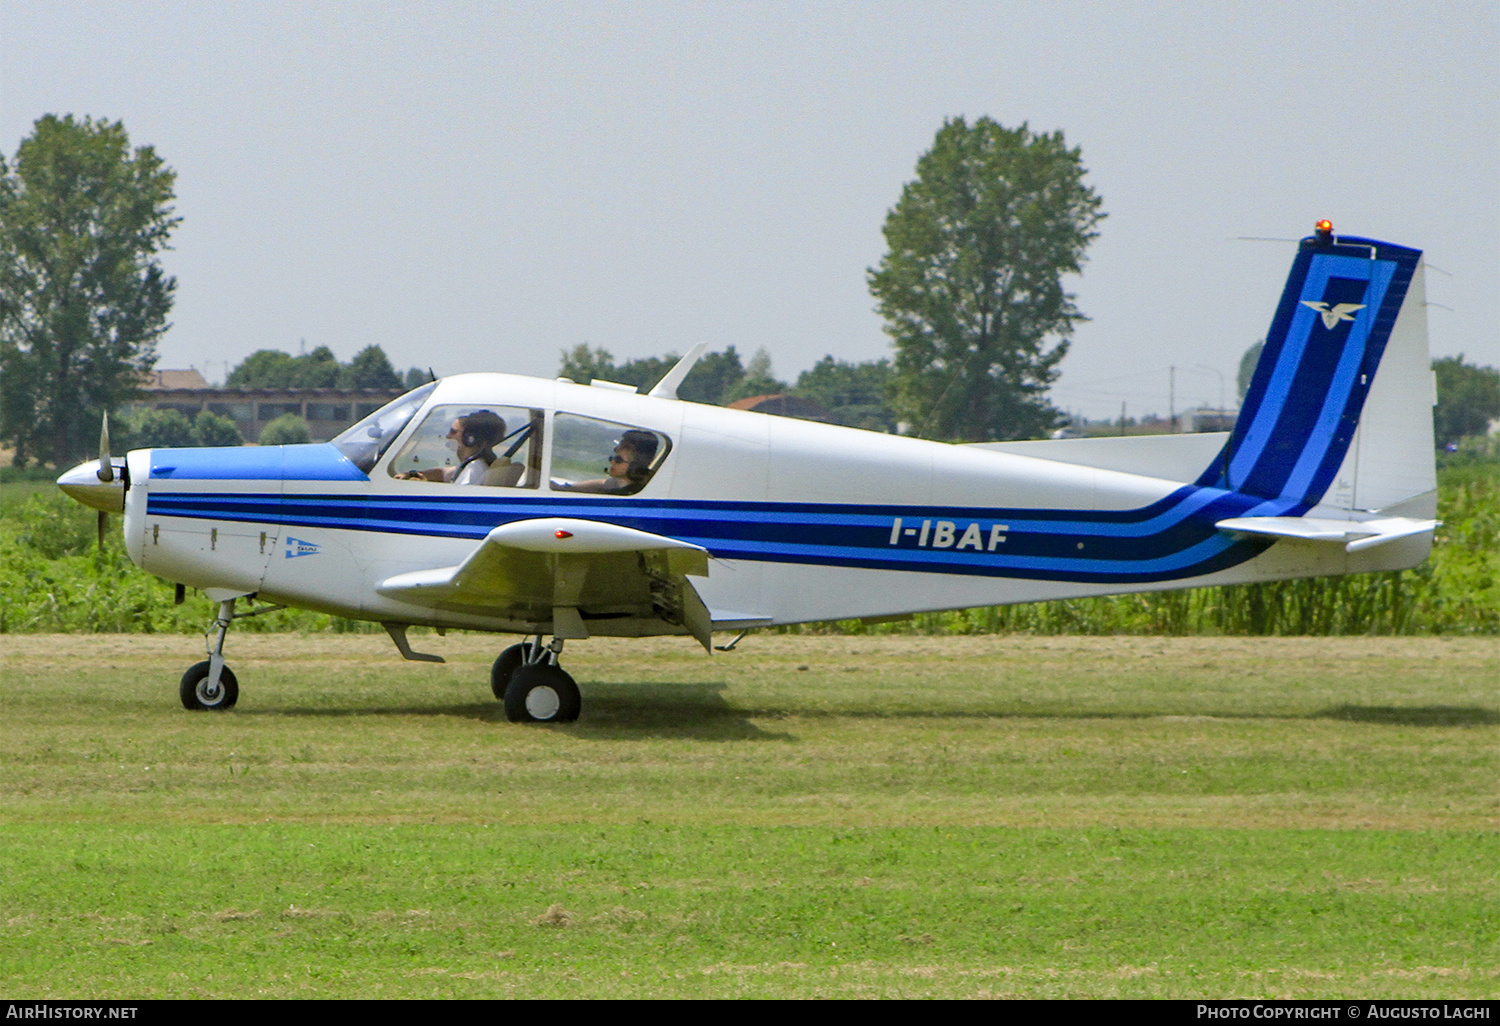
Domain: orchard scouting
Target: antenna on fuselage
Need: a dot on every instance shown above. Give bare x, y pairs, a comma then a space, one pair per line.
666, 388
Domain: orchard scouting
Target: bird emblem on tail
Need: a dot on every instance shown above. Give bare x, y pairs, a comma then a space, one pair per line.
1331, 317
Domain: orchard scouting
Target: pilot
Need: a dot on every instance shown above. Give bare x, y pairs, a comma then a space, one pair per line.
475, 437
629, 465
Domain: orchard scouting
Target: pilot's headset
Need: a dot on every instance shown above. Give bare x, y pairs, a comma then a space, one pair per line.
642, 447
481, 430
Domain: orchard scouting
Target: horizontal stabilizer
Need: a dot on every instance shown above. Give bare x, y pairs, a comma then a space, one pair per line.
730, 620
1354, 535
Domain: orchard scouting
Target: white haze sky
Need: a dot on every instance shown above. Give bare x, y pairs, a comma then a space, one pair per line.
477, 186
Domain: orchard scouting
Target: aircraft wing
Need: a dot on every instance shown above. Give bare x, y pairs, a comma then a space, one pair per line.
567, 571
1354, 535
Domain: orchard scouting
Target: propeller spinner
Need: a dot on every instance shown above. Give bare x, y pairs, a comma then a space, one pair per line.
97, 484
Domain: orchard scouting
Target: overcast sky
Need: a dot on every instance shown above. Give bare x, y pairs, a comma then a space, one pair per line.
476, 186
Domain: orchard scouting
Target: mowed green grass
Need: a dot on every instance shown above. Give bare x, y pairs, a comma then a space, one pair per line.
806, 816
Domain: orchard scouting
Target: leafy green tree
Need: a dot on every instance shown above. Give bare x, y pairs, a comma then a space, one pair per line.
272, 368
83, 298
1248, 361
264, 368
758, 379
370, 368
154, 429
583, 363
715, 378
416, 377
644, 371
971, 289
856, 394
1468, 398
210, 428
317, 369
287, 429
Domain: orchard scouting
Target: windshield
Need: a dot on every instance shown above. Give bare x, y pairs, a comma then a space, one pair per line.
367, 441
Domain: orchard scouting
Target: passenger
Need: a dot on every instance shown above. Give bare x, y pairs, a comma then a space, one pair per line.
474, 436
629, 466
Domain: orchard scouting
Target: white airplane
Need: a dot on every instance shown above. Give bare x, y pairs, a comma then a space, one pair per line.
561, 511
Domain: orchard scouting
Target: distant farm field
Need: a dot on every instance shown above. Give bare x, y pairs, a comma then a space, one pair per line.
806, 816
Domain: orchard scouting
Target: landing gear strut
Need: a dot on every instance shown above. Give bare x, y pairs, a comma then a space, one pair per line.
211, 684
533, 687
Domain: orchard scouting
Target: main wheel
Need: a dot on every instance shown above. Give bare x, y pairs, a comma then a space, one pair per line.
541, 693
506, 665
195, 692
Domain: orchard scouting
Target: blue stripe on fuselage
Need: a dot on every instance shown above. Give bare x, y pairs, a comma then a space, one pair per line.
1166, 540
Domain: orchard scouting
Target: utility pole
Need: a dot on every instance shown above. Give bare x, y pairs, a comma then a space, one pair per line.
1172, 399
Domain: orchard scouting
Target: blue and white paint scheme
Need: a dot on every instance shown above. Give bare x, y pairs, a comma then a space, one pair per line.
736, 519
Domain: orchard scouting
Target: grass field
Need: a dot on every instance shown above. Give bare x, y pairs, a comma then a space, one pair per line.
807, 816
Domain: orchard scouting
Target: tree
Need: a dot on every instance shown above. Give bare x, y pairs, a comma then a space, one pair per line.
153, 429
1468, 398
715, 378
370, 368
317, 369
287, 429
971, 289
758, 379
271, 368
583, 364
210, 428
856, 394
264, 368
1248, 361
83, 298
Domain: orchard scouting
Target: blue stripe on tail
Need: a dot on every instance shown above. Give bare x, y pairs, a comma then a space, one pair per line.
1325, 344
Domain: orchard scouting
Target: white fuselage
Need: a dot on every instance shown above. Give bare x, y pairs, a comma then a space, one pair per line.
803, 521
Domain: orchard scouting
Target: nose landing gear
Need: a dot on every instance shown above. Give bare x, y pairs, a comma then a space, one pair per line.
211, 684
533, 687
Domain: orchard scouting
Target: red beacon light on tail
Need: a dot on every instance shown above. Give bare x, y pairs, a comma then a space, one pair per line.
1323, 232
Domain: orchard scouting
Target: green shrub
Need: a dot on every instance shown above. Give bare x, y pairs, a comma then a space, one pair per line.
287, 429
210, 428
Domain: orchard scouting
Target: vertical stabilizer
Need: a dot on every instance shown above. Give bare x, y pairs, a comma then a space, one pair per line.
1334, 405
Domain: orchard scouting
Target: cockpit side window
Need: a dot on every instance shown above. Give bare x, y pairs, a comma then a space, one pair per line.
591, 455
474, 444
365, 442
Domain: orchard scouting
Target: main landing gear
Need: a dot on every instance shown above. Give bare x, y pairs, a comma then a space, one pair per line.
533, 687
211, 684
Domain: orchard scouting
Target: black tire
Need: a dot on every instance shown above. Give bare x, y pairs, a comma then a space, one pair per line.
194, 691
506, 665
542, 693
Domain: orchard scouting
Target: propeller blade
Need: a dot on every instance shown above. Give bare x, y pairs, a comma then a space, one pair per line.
106, 469
103, 526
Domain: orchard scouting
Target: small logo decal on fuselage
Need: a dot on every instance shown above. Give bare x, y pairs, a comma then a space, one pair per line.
949, 534
297, 547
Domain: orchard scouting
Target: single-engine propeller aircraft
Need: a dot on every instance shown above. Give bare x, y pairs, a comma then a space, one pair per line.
558, 511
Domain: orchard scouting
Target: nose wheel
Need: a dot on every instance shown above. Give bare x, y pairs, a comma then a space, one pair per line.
533, 688
198, 691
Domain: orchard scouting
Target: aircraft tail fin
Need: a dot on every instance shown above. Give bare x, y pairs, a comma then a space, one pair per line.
1339, 410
